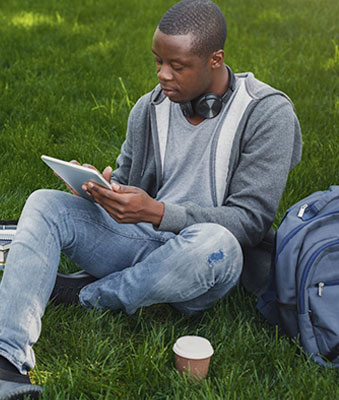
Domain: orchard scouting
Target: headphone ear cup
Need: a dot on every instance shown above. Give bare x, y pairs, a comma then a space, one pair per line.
209, 105
187, 109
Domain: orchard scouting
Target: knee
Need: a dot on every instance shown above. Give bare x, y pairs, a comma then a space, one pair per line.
39, 196
220, 250
223, 238
44, 201
213, 236
219, 233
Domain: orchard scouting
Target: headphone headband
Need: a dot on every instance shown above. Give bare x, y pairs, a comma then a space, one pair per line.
209, 105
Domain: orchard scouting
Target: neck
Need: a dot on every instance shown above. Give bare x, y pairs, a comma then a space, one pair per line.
195, 120
219, 84
221, 81
219, 87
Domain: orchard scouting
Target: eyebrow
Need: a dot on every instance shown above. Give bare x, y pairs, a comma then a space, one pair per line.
178, 60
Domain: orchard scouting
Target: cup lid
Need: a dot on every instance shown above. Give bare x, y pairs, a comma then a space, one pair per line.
193, 347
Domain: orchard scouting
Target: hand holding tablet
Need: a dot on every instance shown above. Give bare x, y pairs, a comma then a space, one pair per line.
75, 175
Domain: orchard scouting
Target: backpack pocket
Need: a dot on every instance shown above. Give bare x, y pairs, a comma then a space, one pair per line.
324, 313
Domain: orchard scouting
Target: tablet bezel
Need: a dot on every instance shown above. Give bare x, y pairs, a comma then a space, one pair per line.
75, 175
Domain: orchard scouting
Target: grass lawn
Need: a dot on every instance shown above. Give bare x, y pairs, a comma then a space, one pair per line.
70, 72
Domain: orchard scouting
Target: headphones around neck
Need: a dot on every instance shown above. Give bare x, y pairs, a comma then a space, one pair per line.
208, 105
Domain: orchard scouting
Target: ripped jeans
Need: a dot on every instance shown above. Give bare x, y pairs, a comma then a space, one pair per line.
137, 266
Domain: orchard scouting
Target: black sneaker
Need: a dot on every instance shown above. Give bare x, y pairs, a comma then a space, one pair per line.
14, 386
67, 287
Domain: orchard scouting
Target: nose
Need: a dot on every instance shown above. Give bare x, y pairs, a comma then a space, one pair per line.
164, 73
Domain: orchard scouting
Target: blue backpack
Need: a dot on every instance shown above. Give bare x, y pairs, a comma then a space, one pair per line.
303, 294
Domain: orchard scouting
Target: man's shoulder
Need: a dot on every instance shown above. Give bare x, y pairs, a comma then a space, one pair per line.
154, 95
141, 109
258, 89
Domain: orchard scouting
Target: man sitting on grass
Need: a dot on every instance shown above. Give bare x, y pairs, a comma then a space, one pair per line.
197, 186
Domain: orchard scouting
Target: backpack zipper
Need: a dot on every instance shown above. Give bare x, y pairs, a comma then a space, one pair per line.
294, 231
321, 286
302, 210
301, 301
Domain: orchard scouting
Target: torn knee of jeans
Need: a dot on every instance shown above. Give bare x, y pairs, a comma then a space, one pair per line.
215, 257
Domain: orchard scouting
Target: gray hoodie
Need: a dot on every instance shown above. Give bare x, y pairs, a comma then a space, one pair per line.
266, 144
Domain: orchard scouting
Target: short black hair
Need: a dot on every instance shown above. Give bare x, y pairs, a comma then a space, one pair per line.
203, 19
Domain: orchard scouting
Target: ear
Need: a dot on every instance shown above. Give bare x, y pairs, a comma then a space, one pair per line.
217, 59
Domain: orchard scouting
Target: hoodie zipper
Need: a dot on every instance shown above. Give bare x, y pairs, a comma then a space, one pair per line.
147, 139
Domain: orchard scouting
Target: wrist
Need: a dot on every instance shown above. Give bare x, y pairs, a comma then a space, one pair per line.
156, 213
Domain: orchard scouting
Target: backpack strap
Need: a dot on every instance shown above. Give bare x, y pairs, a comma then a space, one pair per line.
267, 301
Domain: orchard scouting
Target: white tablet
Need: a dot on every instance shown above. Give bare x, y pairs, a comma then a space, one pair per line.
75, 175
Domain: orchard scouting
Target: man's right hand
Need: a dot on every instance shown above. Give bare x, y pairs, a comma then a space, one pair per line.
77, 163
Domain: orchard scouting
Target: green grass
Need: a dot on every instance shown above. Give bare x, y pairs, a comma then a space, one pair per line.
69, 74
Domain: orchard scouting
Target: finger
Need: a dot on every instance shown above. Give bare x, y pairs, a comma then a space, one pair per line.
100, 191
75, 162
116, 187
124, 188
112, 202
107, 173
90, 166
112, 206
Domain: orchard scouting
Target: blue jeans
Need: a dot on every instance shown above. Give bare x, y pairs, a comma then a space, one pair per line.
136, 264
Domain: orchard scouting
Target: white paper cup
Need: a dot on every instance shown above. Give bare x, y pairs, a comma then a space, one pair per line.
192, 355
